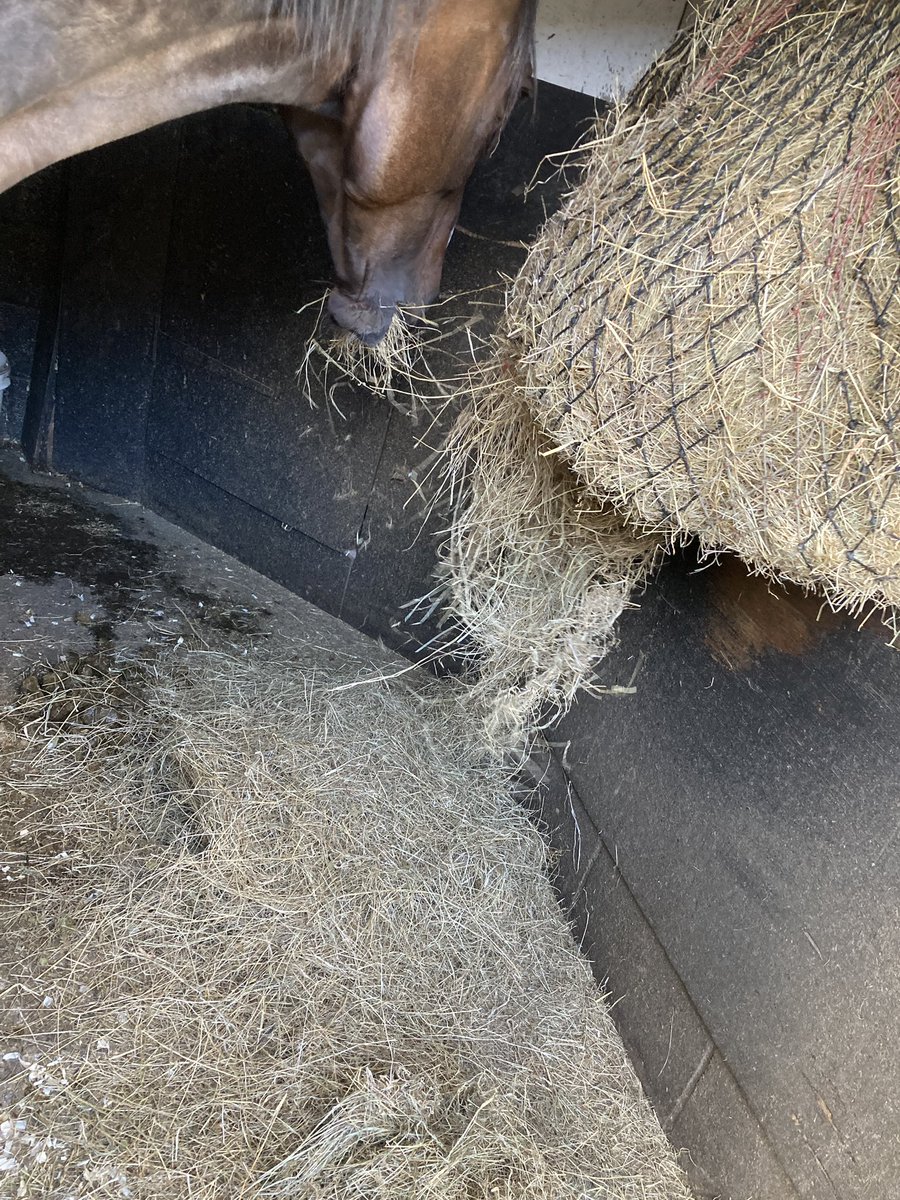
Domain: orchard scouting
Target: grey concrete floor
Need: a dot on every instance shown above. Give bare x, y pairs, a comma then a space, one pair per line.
83, 573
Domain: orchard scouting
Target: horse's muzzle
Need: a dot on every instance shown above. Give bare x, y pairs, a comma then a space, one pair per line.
369, 321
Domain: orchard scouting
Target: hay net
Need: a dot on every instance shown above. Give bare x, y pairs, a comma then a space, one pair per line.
708, 330
270, 932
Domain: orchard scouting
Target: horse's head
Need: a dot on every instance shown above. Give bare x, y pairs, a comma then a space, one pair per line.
391, 155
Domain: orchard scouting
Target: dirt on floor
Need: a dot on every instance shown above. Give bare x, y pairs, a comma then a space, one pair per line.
82, 573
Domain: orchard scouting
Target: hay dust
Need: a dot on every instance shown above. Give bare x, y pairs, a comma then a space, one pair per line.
269, 934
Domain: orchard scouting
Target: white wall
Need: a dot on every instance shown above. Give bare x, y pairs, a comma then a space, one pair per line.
602, 47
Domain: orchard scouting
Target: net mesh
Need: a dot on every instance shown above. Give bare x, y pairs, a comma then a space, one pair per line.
709, 327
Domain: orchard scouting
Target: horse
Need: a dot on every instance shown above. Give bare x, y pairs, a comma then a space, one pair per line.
391, 104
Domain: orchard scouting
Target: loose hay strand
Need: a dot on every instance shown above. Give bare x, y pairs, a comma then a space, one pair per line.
411, 367
534, 573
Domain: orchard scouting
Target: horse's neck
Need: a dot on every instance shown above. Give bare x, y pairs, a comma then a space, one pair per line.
75, 74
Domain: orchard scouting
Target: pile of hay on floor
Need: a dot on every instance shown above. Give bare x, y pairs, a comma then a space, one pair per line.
707, 335
269, 934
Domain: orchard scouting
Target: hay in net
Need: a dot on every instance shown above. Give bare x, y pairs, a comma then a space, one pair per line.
708, 330
704, 339
269, 934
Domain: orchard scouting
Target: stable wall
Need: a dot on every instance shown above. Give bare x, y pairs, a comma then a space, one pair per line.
603, 47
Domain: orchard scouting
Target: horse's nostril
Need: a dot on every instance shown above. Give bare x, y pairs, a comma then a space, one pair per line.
328, 327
